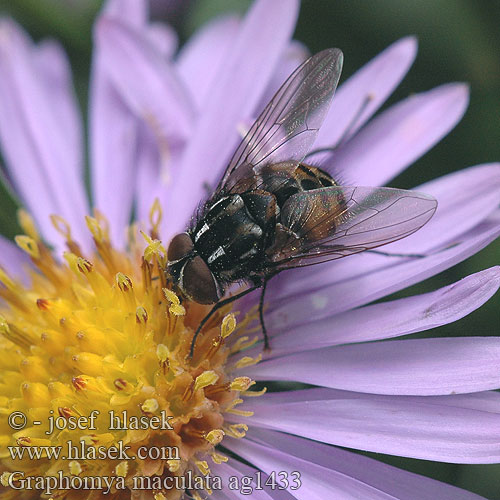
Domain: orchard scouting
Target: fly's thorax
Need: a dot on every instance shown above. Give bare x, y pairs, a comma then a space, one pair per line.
233, 232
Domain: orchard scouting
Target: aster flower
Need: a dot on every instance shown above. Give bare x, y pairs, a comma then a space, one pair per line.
89, 323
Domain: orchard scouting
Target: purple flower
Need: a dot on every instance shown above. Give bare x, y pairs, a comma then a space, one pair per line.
100, 330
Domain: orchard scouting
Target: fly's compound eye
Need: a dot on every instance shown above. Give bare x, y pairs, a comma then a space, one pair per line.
199, 283
180, 247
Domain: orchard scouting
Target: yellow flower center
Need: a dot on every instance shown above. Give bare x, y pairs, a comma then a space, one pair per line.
96, 379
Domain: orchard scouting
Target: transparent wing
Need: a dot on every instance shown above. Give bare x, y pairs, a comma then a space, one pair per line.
333, 222
288, 126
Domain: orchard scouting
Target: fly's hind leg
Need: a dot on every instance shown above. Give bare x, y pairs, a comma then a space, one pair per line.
388, 254
412, 255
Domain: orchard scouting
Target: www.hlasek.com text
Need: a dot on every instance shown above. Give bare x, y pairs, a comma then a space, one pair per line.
81, 451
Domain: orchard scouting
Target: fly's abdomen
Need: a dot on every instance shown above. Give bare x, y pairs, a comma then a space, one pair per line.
278, 180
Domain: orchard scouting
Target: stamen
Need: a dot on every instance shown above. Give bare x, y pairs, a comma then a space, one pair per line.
242, 413
80, 383
255, 394
228, 325
121, 384
155, 248
125, 286
203, 467
124, 282
23, 441
7, 281
27, 224
64, 229
243, 343
84, 266
155, 217
173, 465
150, 405
65, 412
101, 239
141, 316
227, 328
95, 229
205, 379
29, 245
237, 430
122, 469
74, 468
218, 458
175, 305
14, 334
4, 478
241, 384
43, 304
146, 276
97, 439
162, 352
246, 361
215, 436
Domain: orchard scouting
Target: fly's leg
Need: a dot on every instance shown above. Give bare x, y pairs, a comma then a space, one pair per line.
412, 255
261, 315
387, 254
217, 306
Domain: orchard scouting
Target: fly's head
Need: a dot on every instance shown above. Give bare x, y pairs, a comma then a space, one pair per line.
190, 272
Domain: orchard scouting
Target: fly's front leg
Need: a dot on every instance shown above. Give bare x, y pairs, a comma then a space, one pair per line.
217, 306
261, 315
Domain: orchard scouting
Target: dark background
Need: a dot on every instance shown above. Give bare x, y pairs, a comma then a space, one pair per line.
459, 40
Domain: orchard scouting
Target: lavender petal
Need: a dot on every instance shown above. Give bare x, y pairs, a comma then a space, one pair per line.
35, 151
158, 97
131, 12
456, 429
113, 139
55, 71
396, 138
237, 469
200, 59
368, 87
164, 38
417, 367
350, 475
389, 319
